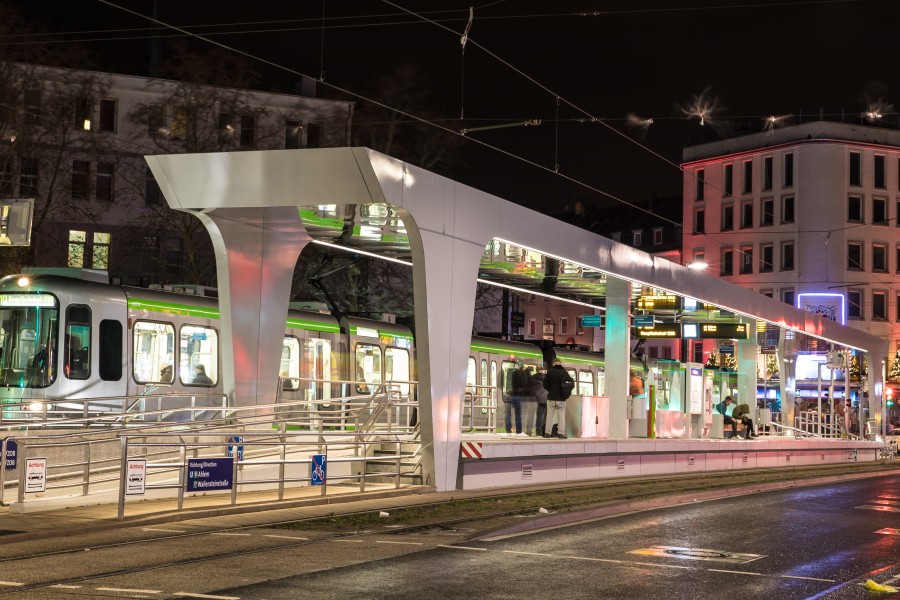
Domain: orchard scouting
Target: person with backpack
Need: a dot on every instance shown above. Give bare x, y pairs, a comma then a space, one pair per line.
559, 386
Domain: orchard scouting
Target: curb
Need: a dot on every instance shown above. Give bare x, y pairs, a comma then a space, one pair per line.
550, 522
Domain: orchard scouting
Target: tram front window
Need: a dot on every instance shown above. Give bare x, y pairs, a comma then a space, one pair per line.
28, 340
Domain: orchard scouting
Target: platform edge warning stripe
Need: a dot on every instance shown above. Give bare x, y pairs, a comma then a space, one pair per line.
471, 449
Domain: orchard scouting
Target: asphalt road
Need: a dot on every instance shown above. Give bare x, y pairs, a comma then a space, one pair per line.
818, 542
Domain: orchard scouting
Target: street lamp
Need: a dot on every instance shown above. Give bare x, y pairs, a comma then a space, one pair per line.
698, 265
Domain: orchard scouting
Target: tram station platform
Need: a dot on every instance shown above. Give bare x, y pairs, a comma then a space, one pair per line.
496, 460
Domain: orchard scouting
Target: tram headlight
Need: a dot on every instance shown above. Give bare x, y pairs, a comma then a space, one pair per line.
23, 281
35, 407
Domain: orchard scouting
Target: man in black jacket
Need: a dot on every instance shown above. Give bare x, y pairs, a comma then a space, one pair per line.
559, 386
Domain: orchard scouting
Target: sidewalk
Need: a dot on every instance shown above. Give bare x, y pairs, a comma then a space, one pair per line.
262, 508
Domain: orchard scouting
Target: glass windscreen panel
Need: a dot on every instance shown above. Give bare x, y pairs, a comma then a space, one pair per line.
154, 352
396, 367
290, 363
316, 365
29, 328
585, 383
199, 356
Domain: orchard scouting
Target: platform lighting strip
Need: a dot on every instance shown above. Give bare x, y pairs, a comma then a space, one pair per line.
485, 281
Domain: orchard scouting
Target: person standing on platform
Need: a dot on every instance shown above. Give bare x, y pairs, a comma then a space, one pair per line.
559, 387
515, 386
540, 396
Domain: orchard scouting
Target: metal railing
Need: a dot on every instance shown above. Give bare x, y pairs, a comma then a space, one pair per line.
479, 409
820, 424
292, 449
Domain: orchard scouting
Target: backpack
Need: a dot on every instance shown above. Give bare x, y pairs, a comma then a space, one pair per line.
566, 387
521, 382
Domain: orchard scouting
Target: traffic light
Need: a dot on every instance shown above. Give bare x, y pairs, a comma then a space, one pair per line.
889, 395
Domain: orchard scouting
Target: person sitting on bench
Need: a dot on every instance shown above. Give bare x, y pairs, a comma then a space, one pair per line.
732, 417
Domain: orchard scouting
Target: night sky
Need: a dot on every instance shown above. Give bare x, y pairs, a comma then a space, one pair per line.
642, 58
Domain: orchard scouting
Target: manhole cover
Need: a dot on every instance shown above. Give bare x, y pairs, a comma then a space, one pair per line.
725, 556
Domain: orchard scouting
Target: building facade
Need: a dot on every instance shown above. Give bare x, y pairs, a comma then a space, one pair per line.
807, 214
75, 141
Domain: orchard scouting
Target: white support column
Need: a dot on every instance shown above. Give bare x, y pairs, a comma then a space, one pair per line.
256, 252
746, 366
617, 353
445, 273
875, 368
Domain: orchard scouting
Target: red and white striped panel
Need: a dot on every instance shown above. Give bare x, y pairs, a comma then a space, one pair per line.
471, 449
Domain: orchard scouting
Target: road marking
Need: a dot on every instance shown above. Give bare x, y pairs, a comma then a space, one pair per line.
347, 541
697, 554
400, 543
11, 583
67, 587
164, 530
737, 572
233, 534
808, 578
192, 595
606, 560
888, 531
286, 537
105, 589
463, 548
527, 553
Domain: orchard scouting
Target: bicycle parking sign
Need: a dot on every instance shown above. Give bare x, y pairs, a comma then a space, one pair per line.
319, 470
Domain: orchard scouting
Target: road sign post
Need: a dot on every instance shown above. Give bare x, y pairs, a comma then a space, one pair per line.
236, 440
319, 471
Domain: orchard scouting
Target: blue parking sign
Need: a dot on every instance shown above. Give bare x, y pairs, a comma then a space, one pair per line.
12, 452
319, 470
236, 440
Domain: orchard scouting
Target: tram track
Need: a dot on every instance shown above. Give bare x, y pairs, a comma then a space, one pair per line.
722, 481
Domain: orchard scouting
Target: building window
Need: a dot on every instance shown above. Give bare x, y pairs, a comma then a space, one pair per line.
726, 266
879, 175
879, 305
854, 209
767, 215
854, 256
879, 211
532, 327
28, 177
313, 135
700, 221
789, 170
226, 129
637, 238
616, 236
729, 180
727, 217
787, 256
77, 240
787, 209
105, 181
897, 256
854, 304
657, 236
855, 169
84, 112
765, 258
31, 105
100, 252
81, 176
156, 119
248, 131
748, 177
700, 184
746, 260
697, 348
879, 258
768, 292
787, 296
699, 255
767, 173
747, 214
7, 181
564, 326
151, 189
108, 115
897, 298
292, 131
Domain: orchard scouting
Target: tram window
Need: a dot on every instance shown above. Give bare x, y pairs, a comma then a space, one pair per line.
316, 364
110, 341
484, 382
470, 372
494, 381
154, 352
368, 367
77, 344
396, 367
572, 374
290, 362
505, 367
585, 383
199, 356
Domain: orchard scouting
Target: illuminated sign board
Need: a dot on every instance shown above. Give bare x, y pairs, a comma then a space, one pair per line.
27, 300
660, 330
723, 331
690, 330
663, 302
828, 305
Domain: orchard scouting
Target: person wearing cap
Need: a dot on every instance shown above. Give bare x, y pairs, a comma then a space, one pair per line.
165, 373
726, 408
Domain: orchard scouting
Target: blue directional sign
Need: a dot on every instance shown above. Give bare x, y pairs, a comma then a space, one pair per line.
206, 474
319, 470
592, 320
232, 440
12, 452
643, 321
